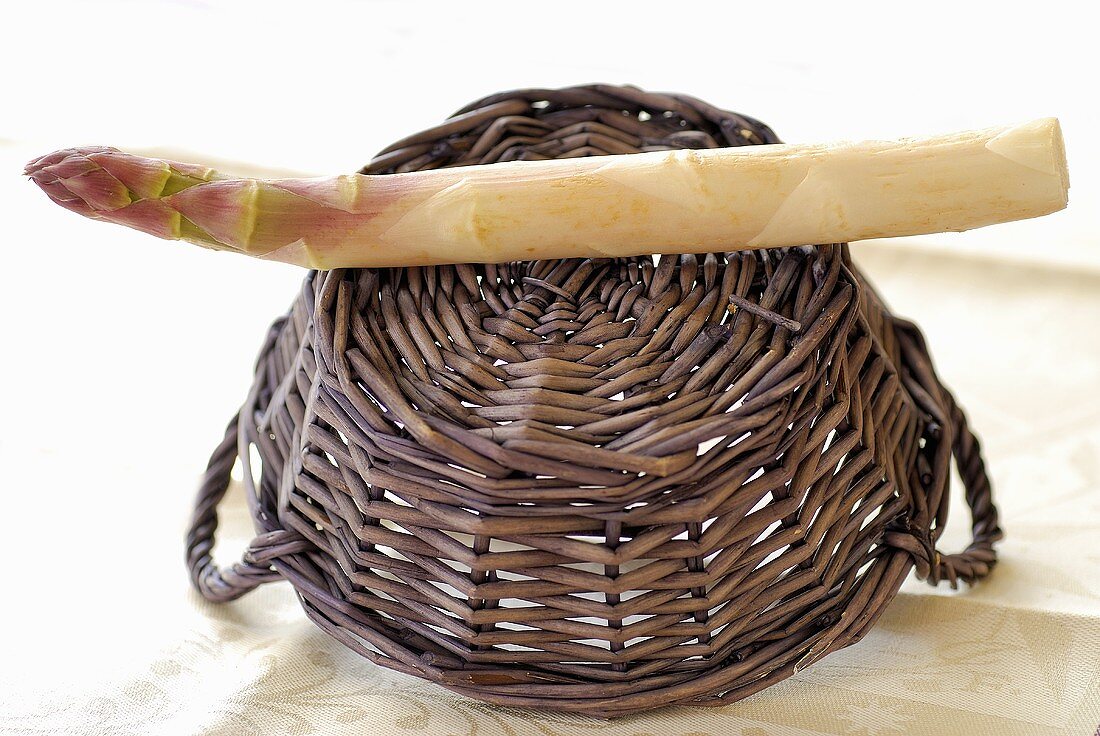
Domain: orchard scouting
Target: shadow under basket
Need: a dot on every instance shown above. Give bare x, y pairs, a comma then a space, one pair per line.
598, 486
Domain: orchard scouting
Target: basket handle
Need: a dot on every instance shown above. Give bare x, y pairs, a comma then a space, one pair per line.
259, 562
979, 558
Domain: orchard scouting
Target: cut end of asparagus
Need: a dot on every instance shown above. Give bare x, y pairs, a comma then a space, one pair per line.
1037, 145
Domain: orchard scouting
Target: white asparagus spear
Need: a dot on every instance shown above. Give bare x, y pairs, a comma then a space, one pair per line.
661, 202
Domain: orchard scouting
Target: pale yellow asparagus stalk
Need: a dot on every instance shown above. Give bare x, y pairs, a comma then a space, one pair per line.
660, 202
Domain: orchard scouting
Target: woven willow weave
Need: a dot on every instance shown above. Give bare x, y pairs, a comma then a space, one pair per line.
597, 486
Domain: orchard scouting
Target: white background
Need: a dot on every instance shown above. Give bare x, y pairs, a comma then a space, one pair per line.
122, 356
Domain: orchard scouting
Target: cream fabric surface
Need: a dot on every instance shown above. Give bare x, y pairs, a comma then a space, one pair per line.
103, 635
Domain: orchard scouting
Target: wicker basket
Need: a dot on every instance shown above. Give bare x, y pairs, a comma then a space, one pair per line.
597, 486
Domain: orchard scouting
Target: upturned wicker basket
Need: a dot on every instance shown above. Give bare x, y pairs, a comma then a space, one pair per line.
597, 486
